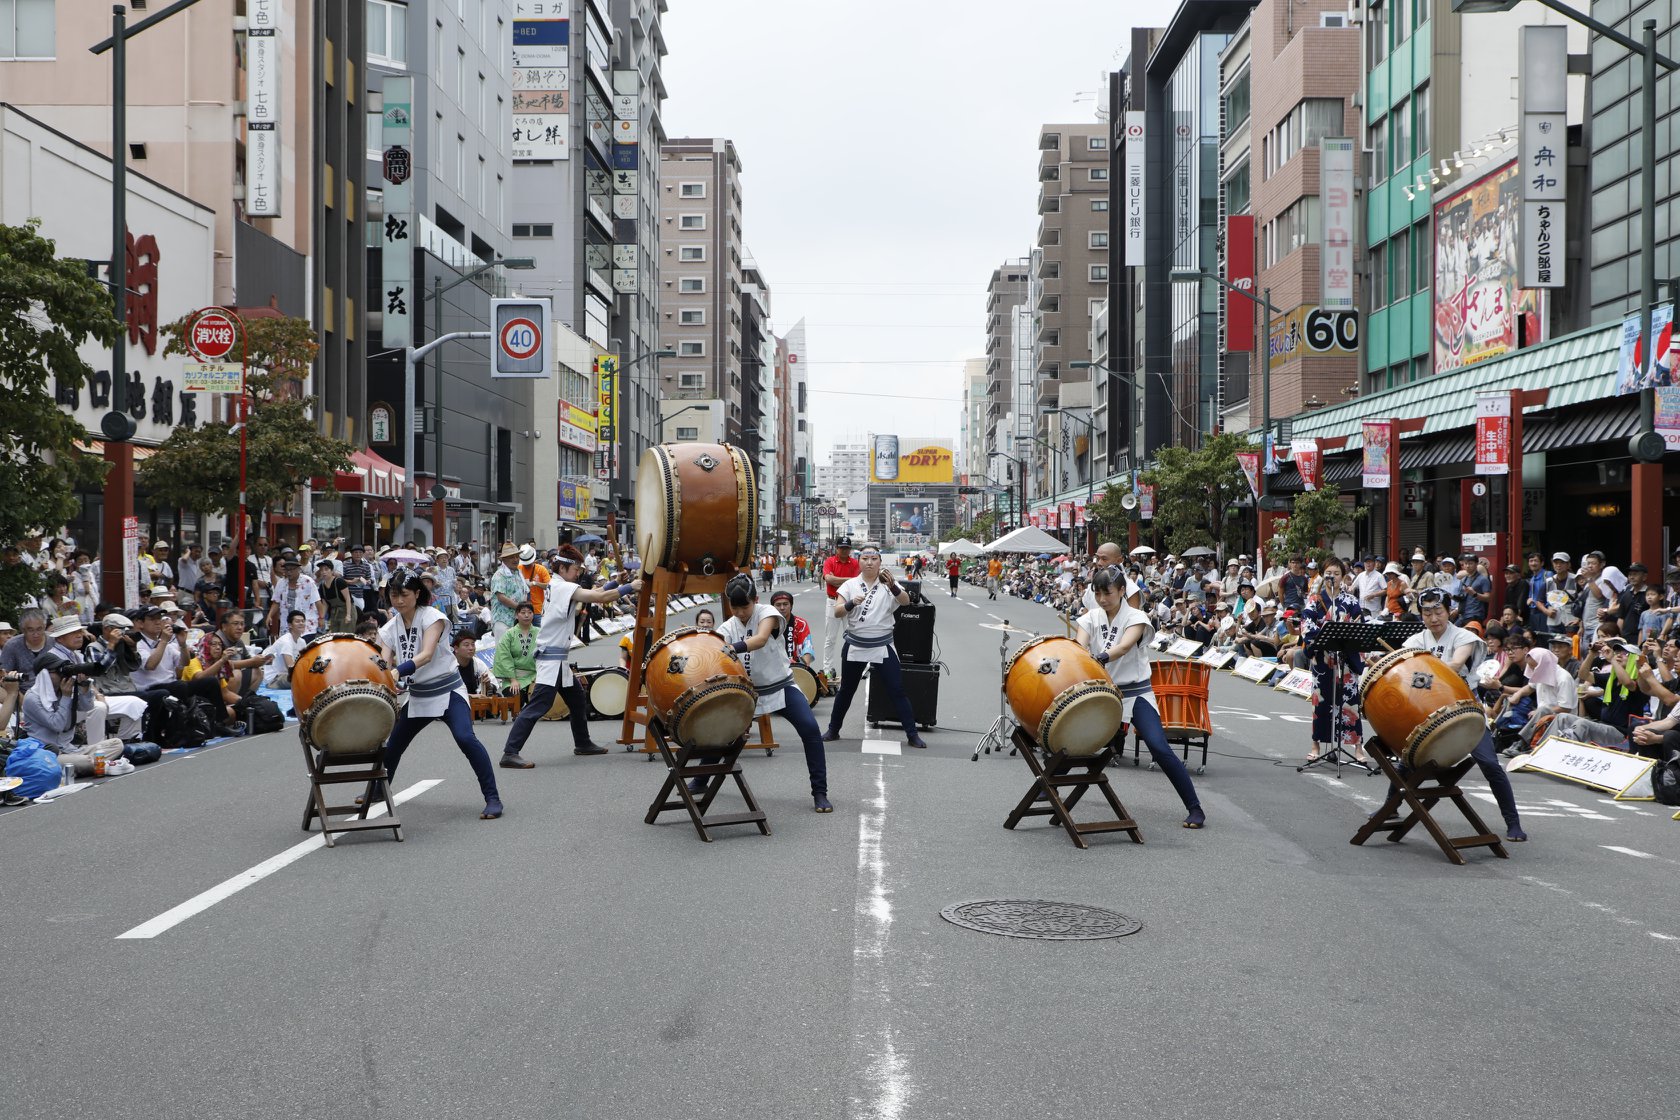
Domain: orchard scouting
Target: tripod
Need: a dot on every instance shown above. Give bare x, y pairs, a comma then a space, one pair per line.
998, 734
1335, 639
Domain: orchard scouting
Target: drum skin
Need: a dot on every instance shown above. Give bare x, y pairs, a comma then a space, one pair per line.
806, 678
698, 688
696, 507
344, 695
1421, 708
607, 691
1062, 696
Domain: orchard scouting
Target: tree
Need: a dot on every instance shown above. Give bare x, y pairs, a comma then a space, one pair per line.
48, 307
1317, 519
983, 526
1197, 492
1109, 516
197, 468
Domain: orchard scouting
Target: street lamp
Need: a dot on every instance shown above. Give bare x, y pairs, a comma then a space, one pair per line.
1021, 476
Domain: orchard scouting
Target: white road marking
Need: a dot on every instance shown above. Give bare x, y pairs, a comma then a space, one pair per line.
885, 1081
1628, 851
199, 903
876, 744
1626, 807
1607, 911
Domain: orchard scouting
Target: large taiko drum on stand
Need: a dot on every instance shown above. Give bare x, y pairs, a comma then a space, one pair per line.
1421, 708
344, 695
698, 688
696, 508
1062, 696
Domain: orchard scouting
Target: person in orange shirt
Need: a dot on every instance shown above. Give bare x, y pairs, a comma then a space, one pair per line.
994, 572
535, 575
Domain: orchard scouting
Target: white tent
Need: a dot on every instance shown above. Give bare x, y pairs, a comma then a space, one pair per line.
1027, 539
962, 546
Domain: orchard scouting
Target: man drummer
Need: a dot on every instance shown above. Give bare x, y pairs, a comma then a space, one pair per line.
1462, 651
555, 675
796, 632
864, 604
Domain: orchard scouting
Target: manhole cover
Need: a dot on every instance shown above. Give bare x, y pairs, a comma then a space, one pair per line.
1038, 918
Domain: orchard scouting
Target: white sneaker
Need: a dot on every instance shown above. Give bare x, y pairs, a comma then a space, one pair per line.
118, 767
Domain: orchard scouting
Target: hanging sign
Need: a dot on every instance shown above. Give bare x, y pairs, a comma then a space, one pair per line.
1493, 433
1378, 464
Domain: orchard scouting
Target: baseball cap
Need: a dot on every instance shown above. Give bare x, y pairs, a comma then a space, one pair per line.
1564, 556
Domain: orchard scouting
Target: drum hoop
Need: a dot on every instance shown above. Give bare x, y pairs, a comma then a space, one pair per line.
673, 500
336, 692
746, 505
334, 636
682, 705
1379, 669
1439, 718
1066, 699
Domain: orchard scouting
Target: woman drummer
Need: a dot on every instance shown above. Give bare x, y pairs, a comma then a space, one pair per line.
1117, 633
555, 675
413, 641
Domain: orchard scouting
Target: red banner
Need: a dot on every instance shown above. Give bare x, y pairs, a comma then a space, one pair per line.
1239, 273
1249, 461
1308, 462
1079, 515
1493, 434
1065, 515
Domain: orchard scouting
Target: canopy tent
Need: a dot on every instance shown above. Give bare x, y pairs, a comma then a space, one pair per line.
962, 546
1029, 539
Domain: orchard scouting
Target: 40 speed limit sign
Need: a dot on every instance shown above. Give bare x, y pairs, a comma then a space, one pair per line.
519, 337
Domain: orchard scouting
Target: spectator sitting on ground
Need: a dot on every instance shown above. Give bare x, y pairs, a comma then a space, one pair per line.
285, 651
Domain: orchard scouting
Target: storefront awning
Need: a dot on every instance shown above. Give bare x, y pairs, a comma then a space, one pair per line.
380, 478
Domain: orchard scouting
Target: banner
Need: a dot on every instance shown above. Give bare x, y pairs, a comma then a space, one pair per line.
1307, 461
1311, 330
396, 230
606, 416
1146, 501
911, 459
1633, 371
1493, 433
1269, 447
1239, 273
1543, 150
1249, 461
1335, 192
1668, 415
1135, 138
1064, 514
1478, 304
1378, 466
1079, 515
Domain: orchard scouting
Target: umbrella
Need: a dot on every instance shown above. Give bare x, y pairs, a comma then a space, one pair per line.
1062, 559
1199, 550
589, 538
1044, 556
1143, 550
405, 556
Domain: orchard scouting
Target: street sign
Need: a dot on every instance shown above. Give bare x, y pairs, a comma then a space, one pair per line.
213, 335
521, 336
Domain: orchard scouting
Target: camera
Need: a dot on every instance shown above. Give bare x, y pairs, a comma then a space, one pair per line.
83, 669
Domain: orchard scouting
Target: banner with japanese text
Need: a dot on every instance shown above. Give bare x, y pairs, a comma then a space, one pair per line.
1249, 461
1493, 433
1308, 462
1378, 465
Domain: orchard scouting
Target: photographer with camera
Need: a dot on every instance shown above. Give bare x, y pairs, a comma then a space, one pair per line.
17, 661
59, 698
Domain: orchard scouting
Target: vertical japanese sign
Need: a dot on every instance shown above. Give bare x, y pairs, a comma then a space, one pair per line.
1239, 273
626, 180
1335, 191
1079, 515
262, 108
1135, 142
131, 562
541, 80
1493, 433
606, 415
1249, 461
1066, 514
1308, 462
1542, 69
396, 233
1378, 466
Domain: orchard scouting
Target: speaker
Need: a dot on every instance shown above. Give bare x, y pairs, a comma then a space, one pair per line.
921, 685
913, 633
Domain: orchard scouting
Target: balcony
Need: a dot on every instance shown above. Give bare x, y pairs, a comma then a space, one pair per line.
1049, 141
1049, 202
1050, 291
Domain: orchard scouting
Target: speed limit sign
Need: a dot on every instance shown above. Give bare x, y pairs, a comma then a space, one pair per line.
520, 337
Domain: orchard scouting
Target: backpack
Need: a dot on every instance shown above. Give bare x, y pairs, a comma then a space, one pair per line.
174, 724
261, 714
1665, 780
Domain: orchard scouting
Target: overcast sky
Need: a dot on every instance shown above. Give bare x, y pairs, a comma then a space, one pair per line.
889, 163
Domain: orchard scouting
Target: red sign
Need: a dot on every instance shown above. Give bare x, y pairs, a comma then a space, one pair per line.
1239, 272
1064, 515
1493, 444
213, 335
520, 338
1309, 462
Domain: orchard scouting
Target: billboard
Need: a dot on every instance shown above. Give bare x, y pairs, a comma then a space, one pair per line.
1478, 306
911, 459
910, 522
1633, 370
1239, 272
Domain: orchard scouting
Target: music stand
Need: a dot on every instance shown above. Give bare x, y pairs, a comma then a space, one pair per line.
1336, 639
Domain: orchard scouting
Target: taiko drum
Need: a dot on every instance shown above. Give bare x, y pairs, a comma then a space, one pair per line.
696, 507
698, 688
1421, 708
344, 695
1062, 696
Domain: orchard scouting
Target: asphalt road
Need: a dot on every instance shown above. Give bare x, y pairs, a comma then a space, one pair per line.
570, 960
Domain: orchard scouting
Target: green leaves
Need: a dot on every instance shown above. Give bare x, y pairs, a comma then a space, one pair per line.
1318, 517
1197, 493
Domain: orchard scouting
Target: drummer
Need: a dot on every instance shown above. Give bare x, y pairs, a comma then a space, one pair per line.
796, 632
413, 641
749, 627
864, 605
1463, 651
555, 675
1117, 633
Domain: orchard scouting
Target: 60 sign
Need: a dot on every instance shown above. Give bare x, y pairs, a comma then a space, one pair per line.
1331, 330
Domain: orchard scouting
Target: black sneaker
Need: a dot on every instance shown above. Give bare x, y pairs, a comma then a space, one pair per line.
589, 748
515, 761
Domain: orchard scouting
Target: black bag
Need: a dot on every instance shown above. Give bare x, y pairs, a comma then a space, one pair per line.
142, 753
1665, 780
261, 715
173, 724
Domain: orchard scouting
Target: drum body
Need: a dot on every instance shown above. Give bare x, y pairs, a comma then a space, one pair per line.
698, 688
345, 696
696, 507
608, 691
806, 678
1421, 708
1062, 696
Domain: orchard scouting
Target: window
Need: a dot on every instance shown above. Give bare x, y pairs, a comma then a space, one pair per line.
688, 435
692, 221
1099, 273
387, 32
1420, 121
1238, 194
461, 76
483, 185
693, 348
691, 381
1099, 205
691, 253
1376, 33
1098, 239
1400, 260
1310, 121
1050, 270
460, 165
691, 284
692, 190
1378, 143
692, 316
1293, 229
1401, 141
1099, 174
1379, 276
375, 125
483, 104
1423, 257
1096, 143
1237, 101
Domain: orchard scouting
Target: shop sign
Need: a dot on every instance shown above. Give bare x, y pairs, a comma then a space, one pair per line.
1493, 433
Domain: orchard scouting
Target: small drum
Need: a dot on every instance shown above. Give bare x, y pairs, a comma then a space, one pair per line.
1421, 708
806, 678
696, 507
1062, 696
344, 694
699, 689
608, 691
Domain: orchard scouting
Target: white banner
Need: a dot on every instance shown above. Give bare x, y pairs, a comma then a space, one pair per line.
262, 170
1543, 150
396, 231
263, 99
541, 77
1626, 775
1540, 244
1135, 139
1335, 191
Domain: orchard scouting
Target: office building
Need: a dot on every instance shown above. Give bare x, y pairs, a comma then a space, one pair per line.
760, 418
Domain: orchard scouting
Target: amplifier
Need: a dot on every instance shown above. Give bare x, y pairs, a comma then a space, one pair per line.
913, 633
921, 685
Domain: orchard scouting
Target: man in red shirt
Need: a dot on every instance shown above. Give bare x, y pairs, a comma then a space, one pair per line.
837, 569
953, 568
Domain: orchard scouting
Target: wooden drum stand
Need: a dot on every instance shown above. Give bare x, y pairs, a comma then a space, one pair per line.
1420, 789
685, 763
1061, 773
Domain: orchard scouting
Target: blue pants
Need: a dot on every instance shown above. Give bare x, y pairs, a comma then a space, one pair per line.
797, 711
1487, 759
458, 718
886, 675
1147, 721
537, 706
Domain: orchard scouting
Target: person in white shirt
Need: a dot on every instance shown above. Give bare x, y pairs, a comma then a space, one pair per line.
412, 641
555, 676
1370, 586
294, 591
1117, 633
865, 602
283, 653
751, 629
1462, 651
